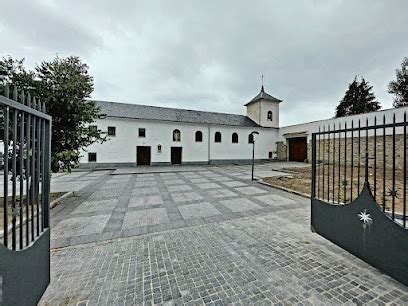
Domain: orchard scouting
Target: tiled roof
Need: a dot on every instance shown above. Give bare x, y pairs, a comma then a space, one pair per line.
146, 112
263, 95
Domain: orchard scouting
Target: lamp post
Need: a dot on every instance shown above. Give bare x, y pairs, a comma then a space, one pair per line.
254, 137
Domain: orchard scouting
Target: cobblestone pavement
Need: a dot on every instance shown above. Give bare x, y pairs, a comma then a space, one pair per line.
118, 206
210, 236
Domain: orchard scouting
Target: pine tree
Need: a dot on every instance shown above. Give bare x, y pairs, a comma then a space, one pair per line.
399, 87
358, 99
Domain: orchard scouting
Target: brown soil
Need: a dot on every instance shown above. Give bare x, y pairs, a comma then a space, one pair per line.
301, 182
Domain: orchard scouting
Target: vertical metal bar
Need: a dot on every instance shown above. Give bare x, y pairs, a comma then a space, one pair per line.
384, 162
42, 168
359, 157
324, 152
14, 174
393, 167
334, 160
375, 157
46, 175
313, 165
328, 163
6, 170
21, 150
352, 161
404, 208
28, 171
318, 173
339, 167
32, 183
38, 165
345, 163
366, 153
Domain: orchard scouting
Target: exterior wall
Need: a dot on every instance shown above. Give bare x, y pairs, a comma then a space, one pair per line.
121, 149
313, 127
253, 112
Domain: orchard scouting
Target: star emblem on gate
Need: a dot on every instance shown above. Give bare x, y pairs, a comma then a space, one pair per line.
392, 193
365, 217
15, 211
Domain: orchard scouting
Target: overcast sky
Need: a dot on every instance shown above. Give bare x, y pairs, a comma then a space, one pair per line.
209, 55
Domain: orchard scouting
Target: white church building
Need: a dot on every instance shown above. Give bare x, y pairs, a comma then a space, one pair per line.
150, 135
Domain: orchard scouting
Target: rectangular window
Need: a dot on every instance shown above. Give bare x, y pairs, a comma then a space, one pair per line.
91, 157
270, 155
142, 132
93, 128
159, 149
111, 131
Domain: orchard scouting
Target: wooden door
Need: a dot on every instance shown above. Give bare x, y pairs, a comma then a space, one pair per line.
143, 155
176, 155
298, 149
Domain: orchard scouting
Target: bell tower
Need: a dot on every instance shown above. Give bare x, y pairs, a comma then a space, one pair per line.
264, 109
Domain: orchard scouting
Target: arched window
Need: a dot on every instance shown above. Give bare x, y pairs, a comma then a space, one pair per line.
250, 138
176, 135
234, 138
217, 137
198, 136
270, 116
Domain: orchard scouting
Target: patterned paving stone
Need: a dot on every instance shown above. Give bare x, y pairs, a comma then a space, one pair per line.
199, 180
200, 210
186, 197
142, 201
145, 184
79, 226
222, 193
145, 190
235, 184
99, 205
173, 182
250, 190
145, 217
275, 199
222, 179
179, 188
208, 186
238, 205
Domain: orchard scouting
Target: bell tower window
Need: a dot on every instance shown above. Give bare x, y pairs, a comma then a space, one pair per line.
270, 116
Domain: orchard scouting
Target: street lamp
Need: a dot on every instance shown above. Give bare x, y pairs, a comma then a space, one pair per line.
254, 135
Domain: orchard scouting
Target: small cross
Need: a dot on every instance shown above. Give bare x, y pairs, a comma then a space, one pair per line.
262, 79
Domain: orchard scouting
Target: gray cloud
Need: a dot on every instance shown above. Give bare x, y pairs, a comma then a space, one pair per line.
209, 55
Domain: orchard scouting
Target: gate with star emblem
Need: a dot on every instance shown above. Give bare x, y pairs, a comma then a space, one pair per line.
358, 196
25, 144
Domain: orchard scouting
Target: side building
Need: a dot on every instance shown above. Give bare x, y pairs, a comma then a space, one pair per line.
149, 135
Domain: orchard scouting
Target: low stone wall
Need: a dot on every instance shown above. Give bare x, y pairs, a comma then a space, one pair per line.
326, 154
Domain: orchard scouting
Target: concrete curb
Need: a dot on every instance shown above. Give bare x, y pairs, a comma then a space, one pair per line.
57, 200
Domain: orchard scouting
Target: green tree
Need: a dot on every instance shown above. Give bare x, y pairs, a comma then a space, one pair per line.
358, 99
63, 84
399, 87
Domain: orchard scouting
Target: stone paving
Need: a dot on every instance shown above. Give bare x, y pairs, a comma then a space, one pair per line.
118, 206
209, 236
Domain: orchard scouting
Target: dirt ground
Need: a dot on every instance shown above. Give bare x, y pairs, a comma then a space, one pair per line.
300, 181
53, 196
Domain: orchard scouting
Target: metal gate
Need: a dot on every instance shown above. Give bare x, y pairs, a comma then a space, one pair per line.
359, 191
24, 228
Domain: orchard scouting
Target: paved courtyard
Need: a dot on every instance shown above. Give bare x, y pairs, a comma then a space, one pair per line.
209, 235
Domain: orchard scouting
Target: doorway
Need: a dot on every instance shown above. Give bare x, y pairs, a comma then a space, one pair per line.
176, 155
143, 156
298, 149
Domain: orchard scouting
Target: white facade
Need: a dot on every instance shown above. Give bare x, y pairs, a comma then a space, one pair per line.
122, 148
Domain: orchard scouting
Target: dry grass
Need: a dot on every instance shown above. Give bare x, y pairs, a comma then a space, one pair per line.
301, 182
53, 196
